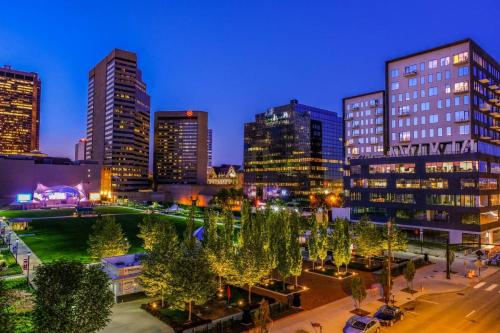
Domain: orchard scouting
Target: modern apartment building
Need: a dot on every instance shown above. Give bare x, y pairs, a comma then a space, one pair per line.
293, 150
439, 177
364, 125
118, 121
19, 111
180, 147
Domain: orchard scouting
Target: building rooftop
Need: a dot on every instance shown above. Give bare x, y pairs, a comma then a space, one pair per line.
127, 260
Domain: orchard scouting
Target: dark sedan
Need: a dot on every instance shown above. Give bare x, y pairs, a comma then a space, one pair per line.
387, 315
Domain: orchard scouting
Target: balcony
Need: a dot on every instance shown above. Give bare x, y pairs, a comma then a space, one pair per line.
349, 116
484, 80
355, 107
485, 137
355, 124
410, 73
403, 113
493, 86
485, 107
493, 99
373, 104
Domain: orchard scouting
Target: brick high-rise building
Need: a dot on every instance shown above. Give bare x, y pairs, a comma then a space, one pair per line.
19, 111
440, 173
118, 120
180, 147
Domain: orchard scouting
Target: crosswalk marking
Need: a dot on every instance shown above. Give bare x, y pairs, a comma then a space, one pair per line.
490, 288
479, 285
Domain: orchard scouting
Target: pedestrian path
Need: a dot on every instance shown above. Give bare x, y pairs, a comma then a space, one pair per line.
21, 251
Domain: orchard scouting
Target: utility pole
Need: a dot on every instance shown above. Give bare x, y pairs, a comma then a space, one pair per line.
389, 257
448, 258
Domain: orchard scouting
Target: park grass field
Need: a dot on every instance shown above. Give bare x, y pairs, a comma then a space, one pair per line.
66, 238
41, 213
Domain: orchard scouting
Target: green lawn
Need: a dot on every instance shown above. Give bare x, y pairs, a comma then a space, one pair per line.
11, 267
23, 321
66, 238
39, 213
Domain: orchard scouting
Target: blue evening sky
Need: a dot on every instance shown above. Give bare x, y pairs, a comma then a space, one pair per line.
230, 58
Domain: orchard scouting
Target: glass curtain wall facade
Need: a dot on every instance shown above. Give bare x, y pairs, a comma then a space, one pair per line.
293, 150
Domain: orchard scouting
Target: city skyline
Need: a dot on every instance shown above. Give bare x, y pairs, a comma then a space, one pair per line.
245, 68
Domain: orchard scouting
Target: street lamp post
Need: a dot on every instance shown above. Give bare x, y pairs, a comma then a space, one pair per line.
17, 247
28, 270
389, 255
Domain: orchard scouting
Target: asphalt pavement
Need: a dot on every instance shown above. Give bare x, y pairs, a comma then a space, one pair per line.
475, 309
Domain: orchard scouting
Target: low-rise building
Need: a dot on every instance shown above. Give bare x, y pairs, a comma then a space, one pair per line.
123, 272
225, 175
21, 175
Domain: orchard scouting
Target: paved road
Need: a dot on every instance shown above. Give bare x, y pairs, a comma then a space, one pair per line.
477, 309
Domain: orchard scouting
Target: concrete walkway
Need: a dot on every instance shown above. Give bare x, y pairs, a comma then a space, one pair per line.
428, 280
129, 317
22, 252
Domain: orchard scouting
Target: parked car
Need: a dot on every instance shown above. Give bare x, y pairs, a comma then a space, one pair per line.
495, 260
387, 315
365, 324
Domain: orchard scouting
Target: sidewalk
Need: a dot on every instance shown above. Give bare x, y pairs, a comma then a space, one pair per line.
22, 253
428, 280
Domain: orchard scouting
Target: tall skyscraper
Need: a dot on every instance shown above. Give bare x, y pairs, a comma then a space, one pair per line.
80, 148
118, 120
440, 173
19, 111
292, 151
180, 147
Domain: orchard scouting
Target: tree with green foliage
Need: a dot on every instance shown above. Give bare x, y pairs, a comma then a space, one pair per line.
158, 264
294, 247
6, 322
398, 238
358, 290
107, 239
71, 297
409, 273
312, 240
323, 242
262, 317
341, 243
283, 234
219, 244
192, 279
368, 239
252, 260
150, 230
